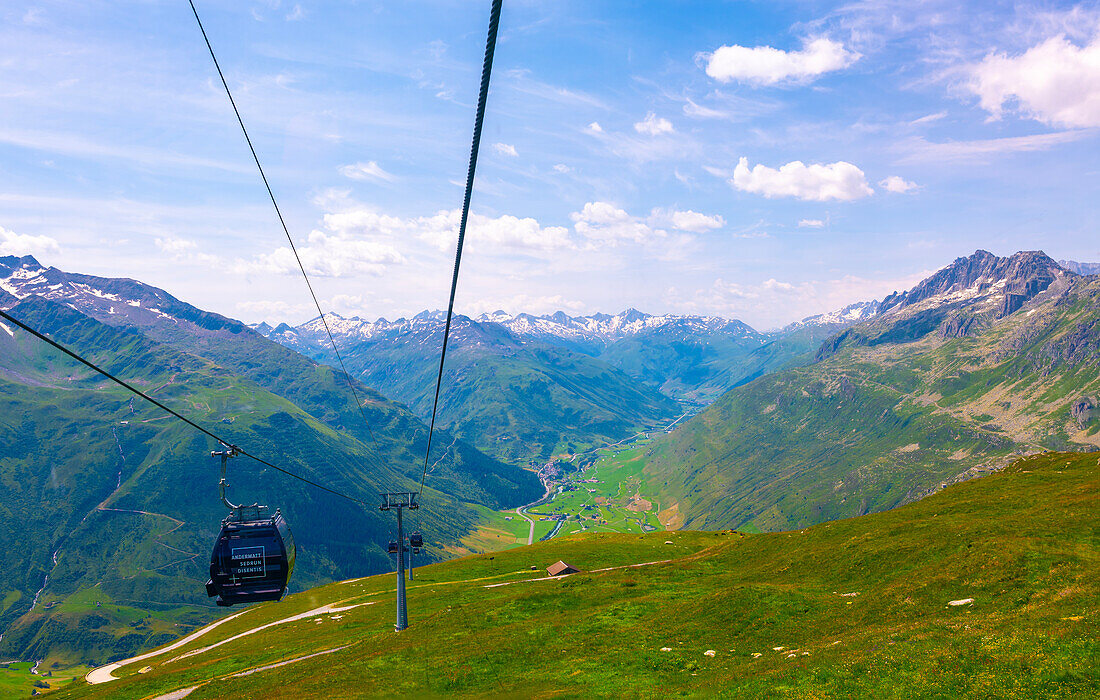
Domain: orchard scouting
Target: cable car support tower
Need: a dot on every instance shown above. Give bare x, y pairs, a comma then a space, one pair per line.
399, 502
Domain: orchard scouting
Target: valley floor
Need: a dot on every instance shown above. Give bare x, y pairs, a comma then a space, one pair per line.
600, 490
988, 588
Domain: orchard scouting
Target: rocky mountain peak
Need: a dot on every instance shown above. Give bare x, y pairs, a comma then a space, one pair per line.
13, 262
1019, 277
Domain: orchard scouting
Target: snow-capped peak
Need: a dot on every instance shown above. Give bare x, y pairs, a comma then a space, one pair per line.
850, 314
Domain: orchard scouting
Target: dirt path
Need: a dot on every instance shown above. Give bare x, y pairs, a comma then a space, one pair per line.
593, 571
103, 673
323, 610
188, 556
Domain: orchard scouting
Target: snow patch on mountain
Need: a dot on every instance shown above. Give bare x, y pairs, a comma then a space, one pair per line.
850, 314
598, 329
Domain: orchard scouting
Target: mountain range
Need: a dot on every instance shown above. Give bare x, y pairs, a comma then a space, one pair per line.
527, 387
987, 359
841, 414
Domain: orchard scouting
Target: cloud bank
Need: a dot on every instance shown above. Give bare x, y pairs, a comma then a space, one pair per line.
840, 181
1055, 82
765, 65
12, 243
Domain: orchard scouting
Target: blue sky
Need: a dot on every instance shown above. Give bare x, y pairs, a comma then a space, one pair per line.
757, 160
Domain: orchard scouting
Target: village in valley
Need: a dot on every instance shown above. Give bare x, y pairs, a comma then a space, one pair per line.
602, 489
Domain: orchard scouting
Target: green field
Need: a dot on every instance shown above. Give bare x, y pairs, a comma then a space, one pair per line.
589, 506
850, 608
17, 681
497, 530
601, 505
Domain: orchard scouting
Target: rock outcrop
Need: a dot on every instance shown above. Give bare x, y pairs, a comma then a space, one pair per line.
1081, 411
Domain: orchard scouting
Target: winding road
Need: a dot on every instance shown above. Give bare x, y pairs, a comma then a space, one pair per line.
520, 513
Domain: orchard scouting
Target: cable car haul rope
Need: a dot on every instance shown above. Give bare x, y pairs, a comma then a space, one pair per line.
483, 94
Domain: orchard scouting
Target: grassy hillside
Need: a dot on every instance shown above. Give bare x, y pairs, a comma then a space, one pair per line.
515, 401
117, 503
852, 608
893, 409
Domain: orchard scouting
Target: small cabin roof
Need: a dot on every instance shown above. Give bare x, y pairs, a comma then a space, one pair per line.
560, 567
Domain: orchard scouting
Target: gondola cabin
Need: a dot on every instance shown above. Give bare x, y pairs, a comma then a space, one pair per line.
252, 560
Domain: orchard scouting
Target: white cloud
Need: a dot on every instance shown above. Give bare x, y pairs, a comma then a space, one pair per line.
12, 243
562, 168
653, 125
691, 221
717, 172
920, 150
692, 109
764, 65
505, 149
296, 13
811, 223
1055, 82
928, 118
595, 128
524, 303
327, 255
183, 250
275, 310
601, 221
74, 144
775, 302
175, 246
897, 185
840, 181
366, 171
357, 221
510, 232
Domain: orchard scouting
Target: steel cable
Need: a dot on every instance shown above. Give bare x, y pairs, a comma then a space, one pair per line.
486, 71
160, 405
282, 222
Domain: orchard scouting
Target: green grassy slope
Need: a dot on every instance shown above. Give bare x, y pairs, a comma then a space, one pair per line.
514, 401
851, 608
882, 419
104, 494
394, 433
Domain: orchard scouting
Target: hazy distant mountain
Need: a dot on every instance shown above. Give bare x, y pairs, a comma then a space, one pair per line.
987, 358
602, 330
595, 378
1081, 268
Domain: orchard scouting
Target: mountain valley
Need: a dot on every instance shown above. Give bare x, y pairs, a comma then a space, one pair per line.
843, 414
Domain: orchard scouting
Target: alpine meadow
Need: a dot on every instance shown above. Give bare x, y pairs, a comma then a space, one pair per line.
549, 349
